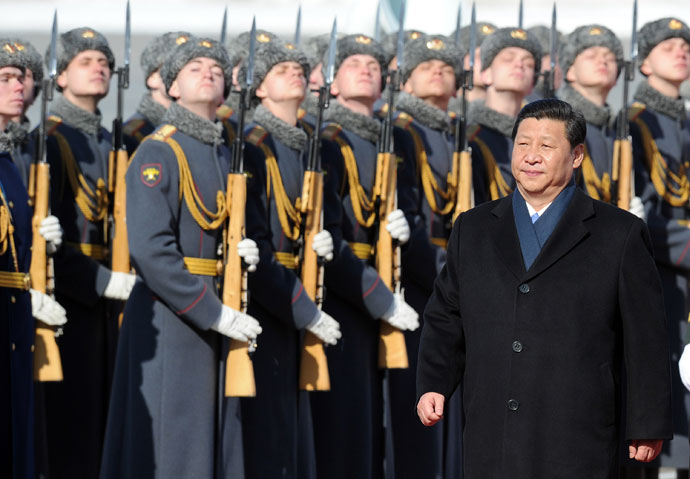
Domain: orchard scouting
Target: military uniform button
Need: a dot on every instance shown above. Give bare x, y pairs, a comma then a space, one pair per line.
13, 299
11, 204
524, 288
517, 346
33, 348
513, 405
14, 346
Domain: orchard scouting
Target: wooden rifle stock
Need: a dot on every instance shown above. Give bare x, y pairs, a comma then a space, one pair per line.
625, 173
120, 246
463, 162
239, 373
392, 348
313, 374
47, 363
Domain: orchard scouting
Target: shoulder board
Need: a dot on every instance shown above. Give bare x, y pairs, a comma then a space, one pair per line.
300, 113
133, 126
331, 131
472, 132
636, 110
163, 133
53, 121
257, 136
224, 112
403, 120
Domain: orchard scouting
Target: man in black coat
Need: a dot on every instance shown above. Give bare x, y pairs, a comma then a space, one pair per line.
545, 295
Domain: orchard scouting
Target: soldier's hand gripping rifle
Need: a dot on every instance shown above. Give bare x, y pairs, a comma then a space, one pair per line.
550, 75
461, 171
117, 168
623, 186
47, 363
392, 349
239, 370
313, 375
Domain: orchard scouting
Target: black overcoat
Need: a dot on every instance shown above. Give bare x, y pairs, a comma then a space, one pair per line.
540, 352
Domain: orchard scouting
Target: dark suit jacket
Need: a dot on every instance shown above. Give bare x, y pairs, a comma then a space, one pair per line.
539, 352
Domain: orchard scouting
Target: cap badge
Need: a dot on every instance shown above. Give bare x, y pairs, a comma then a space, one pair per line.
435, 44
363, 40
595, 31
263, 38
487, 29
19, 47
675, 24
181, 39
88, 34
415, 35
289, 46
519, 34
9, 48
205, 43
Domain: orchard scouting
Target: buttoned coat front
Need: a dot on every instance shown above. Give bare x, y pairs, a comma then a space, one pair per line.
540, 352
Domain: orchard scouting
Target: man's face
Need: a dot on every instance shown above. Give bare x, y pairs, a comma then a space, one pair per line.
316, 79
284, 82
432, 78
594, 67
543, 161
669, 60
11, 92
29, 89
201, 81
88, 74
511, 70
477, 76
359, 76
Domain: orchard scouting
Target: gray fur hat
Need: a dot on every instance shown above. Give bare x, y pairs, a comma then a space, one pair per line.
271, 51
315, 48
72, 43
653, 33
358, 44
238, 49
509, 37
585, 37
11, 56
29, 56
543, 35
389, 43
431, 47
484, 29
153, 56
196, 48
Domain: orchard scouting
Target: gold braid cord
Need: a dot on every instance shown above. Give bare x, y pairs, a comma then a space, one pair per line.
93, 205
497, 185
673, 188
429, 182
287, 212
358, 197
598, 188
7, 231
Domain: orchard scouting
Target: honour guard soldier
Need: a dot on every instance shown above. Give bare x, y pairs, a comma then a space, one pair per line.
389, 45
315, 48
424, 143
77, 150
275, 161
661, 144
18, 303
543, 35
348, 420
164, 408
152, 106
478, 91
508, 69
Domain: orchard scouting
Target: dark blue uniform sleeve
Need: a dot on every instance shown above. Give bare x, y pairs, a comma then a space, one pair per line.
272, 285
352, 278
153, 233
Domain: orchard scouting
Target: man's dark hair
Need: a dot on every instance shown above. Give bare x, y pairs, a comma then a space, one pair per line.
553, 109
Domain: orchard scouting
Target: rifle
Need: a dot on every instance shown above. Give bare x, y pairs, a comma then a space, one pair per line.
392, 348
117, 168
313, 375
239, 372
623, 185
47, 362
298, 28
550, 76
461, 171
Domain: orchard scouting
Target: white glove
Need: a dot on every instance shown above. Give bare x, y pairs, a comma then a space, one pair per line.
326, 328
236, 325
323, 245
51, 231
637, 208
120, 286
397, 226
401, 315
249, 252
46, 309
684, 367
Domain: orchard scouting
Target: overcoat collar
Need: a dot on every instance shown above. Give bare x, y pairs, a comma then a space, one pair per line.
569, 232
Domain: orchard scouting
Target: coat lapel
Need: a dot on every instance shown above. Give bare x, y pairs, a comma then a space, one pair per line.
568, 233
505, 238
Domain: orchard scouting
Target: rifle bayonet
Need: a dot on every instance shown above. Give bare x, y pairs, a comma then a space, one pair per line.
520, 16
458, 25
224, 27
298, 27
377, 23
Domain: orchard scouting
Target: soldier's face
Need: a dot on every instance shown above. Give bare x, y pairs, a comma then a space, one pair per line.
88, 74
359, 76
316, 80
11, 92
284, 82
512, 70
29, 89
546, 66
543, 160
432, 78
669, 60
594, 67
476, 77
201, 81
